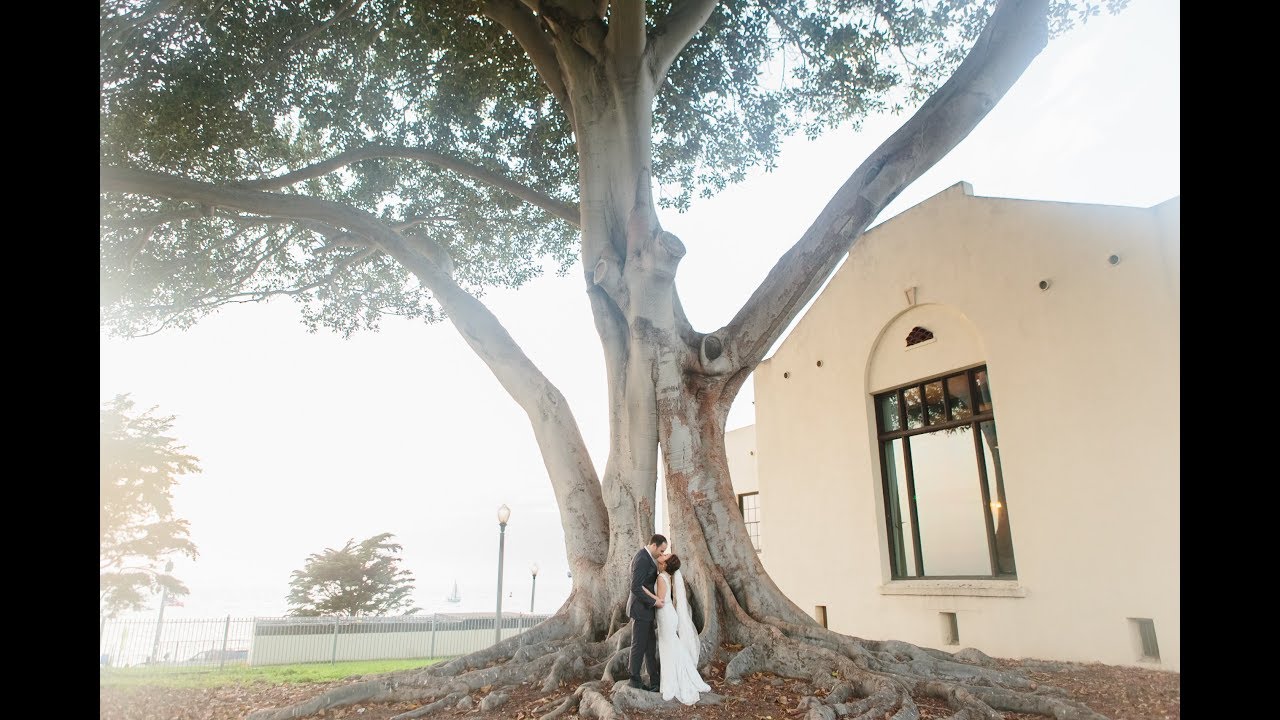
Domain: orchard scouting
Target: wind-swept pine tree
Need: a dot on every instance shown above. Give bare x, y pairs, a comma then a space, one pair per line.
362, 578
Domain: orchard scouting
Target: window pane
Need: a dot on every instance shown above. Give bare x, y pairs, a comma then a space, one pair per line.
953, 531
984, 391
901, 545
750, 506
958, 393
933, 402
999, 511
889, 413
915, 411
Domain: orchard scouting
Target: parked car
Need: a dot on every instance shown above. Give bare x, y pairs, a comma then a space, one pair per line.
213, 656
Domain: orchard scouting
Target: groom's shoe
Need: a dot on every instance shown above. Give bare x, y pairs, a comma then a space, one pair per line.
656, 687
636, 684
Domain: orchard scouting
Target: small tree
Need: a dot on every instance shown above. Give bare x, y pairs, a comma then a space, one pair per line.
364, 579
139, 466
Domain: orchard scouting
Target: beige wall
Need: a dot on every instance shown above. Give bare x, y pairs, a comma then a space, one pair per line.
1085, 384
740, 447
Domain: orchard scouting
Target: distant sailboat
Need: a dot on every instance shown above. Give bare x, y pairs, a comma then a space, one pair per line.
454, 597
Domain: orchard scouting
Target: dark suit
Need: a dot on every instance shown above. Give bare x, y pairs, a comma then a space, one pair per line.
644, 574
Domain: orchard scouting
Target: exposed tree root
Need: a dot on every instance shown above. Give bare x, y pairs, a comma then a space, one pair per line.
449, 700
617, 667
877, 679
493, 700
567, 667
346, 695
881, 680
566, 706
862, 679
627, 698
595, 705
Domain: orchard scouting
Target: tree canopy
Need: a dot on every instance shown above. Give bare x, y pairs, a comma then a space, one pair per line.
362, 578
139, 465
432, 117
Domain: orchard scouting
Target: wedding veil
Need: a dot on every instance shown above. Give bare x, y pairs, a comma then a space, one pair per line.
684, 626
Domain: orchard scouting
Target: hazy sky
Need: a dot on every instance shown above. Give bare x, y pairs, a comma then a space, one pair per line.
308, 440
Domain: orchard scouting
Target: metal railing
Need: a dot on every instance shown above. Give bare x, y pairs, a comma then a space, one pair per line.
220, 642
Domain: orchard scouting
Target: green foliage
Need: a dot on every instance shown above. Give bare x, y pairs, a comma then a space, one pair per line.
139, 465
229, 92
226, 92
240, 674
359, 579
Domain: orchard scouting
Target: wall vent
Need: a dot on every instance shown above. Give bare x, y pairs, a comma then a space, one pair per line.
1145, 631
918, 335
950, 629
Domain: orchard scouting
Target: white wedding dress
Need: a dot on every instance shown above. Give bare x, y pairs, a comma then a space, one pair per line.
678, 646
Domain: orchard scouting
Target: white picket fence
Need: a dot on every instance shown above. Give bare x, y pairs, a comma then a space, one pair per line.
287, 640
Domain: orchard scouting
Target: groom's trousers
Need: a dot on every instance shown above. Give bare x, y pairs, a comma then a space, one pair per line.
644, 647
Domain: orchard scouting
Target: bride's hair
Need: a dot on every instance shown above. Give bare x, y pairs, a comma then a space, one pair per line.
672, 566
673, 563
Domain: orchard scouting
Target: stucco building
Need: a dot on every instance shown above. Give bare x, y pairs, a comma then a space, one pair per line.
971, 437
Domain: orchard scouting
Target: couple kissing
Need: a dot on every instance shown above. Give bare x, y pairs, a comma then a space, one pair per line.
663, 637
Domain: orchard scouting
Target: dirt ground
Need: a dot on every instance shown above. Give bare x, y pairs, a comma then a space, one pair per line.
1119, 693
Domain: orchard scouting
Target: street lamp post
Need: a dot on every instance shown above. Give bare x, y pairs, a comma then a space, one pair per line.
534, 591
164, 599
504, 514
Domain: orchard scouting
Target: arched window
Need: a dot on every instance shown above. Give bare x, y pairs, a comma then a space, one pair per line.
945, 505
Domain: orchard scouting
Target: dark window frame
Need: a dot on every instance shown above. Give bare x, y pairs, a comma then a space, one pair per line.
945, 421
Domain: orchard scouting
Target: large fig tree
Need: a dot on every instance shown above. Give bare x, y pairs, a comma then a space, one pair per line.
392, 157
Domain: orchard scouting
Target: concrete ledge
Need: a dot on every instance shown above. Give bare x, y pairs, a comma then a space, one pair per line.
970, 588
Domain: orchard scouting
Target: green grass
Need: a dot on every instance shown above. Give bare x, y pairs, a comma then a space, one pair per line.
208, 677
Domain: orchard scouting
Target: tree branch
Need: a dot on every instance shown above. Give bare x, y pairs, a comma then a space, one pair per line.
342, 13
522, 25
1014, 36
572, 474
147, 225
223, 294
136, 247
674, 33
225, 291
626, 39
562, 210
564, 453
409, 224
578, 8
153, 220
127, 27
790, 32
577, 21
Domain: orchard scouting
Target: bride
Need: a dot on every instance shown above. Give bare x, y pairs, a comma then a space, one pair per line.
677, 637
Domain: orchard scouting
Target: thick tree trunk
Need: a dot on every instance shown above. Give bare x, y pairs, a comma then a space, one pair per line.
612, 119
659, 391
706, 522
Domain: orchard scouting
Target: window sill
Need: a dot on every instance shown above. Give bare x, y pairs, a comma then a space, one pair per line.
970, 588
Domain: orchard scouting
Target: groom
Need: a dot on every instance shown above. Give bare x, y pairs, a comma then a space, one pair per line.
640, 608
